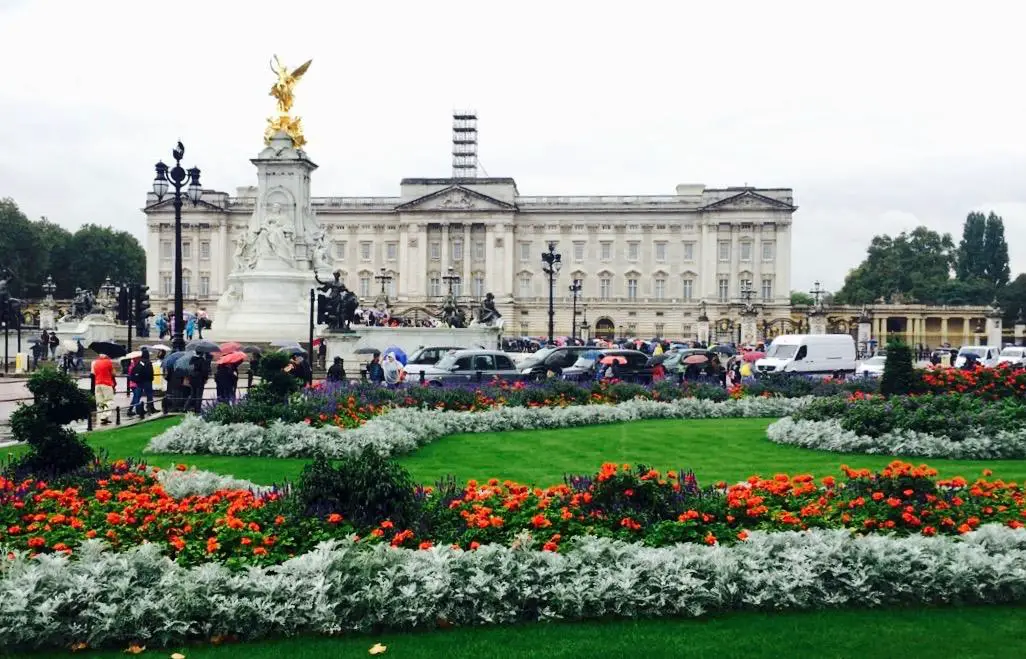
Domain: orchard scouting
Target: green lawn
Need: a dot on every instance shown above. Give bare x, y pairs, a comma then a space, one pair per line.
960, 633
717, 449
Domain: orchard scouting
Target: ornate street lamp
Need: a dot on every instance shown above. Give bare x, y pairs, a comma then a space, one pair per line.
175, 177
575, 290
585, 327
49, 288
385, 279
552, 261
451, 279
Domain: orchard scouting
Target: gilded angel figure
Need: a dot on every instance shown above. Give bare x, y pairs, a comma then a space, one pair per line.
282, 89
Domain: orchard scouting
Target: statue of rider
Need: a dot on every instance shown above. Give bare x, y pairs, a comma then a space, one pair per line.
488, 314
338, 298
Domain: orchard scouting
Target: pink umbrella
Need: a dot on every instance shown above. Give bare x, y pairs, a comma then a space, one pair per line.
232, 358
231, 346
754, 355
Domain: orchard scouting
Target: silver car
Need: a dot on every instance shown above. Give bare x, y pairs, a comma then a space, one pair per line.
471, 366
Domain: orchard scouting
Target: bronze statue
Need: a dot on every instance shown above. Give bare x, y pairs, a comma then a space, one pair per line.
282, 91
9, 306
487, 314
452, 314
337, 309
83, 303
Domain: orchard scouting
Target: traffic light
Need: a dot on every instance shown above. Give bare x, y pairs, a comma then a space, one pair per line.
124, 302
322, 310
142, 309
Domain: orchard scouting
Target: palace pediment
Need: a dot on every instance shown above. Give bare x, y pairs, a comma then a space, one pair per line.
750, 200
455, 198
168, 204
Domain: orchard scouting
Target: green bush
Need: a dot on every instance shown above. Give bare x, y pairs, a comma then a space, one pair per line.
899, 377
53, 449
276, 386
364, 489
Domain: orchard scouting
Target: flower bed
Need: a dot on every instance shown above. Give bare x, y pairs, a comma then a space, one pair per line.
140, 596
1002, 381
402, 430
242, 527
348, 406
829, 435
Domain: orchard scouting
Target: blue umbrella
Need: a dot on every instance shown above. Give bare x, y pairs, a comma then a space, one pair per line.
169, 361
400, 356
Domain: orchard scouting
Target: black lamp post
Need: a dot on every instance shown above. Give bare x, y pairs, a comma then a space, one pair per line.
575, 290
385, 279
176, 178
585, 327
451, 279
552, 261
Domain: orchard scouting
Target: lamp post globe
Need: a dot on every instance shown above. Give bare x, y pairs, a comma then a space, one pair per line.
177, 178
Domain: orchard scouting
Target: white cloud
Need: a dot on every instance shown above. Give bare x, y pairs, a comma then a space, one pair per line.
878, 115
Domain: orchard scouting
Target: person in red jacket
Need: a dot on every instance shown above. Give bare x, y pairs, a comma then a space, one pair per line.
103, 374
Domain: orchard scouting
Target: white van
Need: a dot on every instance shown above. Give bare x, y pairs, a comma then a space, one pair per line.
1014, 355
985, 355
809, 354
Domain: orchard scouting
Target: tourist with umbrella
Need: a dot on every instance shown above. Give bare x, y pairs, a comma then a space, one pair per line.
203, 345
399, 353
226, 377
392, 371
611, 362
142, 376
336, 372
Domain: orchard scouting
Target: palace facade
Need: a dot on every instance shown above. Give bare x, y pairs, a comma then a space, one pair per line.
645, 262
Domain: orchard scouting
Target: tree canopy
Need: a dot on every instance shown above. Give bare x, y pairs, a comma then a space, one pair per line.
35, 249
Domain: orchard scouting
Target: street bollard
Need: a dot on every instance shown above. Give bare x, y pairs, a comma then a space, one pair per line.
422, 378
477, 376
117, 416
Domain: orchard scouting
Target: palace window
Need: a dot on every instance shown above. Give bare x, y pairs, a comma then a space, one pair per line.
660, 252
391, 251
435, 287
186, 250
633, 251
391, 287
457, 250
659, 328
746, 251
204, 285
365, 251
166, 251
607, 251
186, 285
578, 252
435, 250
457, 288
365, 285
525, 252
525, 329
743, 284
723, 292
689, 251
767, 290
660, 289
205, 250
632, 289
167, 285
689, 289
525, 285
724, 250
340, 251
479, 286
479, 250
605, 286
767, 252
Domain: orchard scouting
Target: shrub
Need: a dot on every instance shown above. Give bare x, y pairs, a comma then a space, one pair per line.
53, 449
276, 386
899, 376
364, 488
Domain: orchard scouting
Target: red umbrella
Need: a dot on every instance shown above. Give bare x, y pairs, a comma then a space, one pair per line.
231, 346
753, 356
696, 359
613, 359
232, 358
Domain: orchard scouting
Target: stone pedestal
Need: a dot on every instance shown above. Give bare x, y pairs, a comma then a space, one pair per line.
266, 306
749, 329
1020, 333
994, 331
703, 330
87, 330
817, 323
47, 318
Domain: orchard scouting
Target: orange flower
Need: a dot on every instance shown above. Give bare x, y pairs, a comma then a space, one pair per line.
334, 518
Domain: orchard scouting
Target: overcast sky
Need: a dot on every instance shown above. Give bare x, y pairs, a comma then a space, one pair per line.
880, 117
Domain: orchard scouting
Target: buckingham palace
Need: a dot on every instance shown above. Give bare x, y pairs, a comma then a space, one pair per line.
648, 265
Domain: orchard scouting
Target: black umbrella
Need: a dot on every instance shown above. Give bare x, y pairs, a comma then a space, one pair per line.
659, 359
112, 350
252, 350
725, 350
184, 361
203, 345
367, 351
293, 350
32, 341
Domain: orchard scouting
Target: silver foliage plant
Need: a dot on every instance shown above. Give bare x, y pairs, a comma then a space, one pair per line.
830, 436
403, 430
107, 598
196, 482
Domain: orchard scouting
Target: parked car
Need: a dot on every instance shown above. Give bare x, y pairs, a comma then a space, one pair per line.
1014, 355
471, 366
810, 354
538, 365
635, 370
427, 356
985, 355
872, 367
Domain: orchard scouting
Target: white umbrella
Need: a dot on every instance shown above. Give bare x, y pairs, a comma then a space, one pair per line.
161, 346
69, 345
133, 355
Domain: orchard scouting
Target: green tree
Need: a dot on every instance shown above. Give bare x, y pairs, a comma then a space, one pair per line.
20, 248
800, 299
1012, 299
970, 260
55, 257
53, 447
911, 267
98, 252
899, 375
995, 252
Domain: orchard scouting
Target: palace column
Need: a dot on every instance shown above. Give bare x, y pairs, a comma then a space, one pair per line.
219, 278
403, 285
467, 286
965, 330
508, 251
445, 253
944, 329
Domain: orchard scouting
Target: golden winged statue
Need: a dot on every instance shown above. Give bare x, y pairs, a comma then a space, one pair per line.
281, 90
